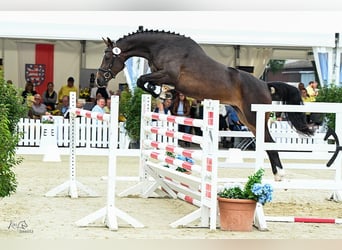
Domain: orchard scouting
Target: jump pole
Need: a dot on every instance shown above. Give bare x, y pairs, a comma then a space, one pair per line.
110, 212
72, 185
293, 219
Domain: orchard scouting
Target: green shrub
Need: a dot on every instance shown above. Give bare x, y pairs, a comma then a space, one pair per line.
130, 107
333, 94
11, 110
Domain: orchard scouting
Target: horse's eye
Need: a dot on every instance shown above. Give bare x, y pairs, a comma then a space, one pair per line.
108, 55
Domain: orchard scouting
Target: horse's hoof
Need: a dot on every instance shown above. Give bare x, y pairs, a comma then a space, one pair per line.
279, 176
281, 172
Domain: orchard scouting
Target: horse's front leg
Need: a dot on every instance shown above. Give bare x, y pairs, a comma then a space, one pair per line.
151, 82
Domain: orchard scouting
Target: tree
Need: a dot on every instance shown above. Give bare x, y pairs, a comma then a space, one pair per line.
276, 65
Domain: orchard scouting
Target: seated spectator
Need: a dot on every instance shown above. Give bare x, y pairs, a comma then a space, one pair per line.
64, 107
164, 107
234, 124
38, 108
107, 106
50, 97
100, 104
28, 92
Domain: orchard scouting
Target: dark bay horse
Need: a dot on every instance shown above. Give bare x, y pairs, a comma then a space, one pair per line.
179, 61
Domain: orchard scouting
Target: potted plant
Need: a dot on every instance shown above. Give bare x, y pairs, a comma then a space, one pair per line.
48, 119
237, 203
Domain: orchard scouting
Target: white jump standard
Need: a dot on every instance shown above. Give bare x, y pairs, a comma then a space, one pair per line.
72, 185
110, 212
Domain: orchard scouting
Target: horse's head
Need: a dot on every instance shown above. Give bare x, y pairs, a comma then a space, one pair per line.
112, 63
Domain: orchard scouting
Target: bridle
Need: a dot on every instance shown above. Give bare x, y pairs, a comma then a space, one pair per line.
107, 73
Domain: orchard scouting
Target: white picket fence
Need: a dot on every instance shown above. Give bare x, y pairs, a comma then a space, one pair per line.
92, 136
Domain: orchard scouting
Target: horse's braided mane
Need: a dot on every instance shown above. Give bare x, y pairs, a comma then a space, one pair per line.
151, 32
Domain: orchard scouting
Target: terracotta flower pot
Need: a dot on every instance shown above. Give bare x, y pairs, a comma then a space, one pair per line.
236, 214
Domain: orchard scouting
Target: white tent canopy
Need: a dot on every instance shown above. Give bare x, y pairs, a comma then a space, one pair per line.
260, 35
243, 28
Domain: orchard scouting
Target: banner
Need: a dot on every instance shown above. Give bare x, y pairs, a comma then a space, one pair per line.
35, 73
36, 62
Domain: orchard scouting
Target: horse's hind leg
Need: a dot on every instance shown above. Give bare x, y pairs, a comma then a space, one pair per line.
277, 167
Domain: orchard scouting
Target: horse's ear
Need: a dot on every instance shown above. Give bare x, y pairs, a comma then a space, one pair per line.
105, 41
108, 42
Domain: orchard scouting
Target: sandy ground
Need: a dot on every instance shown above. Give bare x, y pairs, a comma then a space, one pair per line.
55, 217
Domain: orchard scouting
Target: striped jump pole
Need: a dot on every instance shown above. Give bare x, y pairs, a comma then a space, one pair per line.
293, 219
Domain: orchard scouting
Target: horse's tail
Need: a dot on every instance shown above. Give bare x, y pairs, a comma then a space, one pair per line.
288, 94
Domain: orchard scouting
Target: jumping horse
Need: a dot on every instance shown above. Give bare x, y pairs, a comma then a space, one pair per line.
179, 61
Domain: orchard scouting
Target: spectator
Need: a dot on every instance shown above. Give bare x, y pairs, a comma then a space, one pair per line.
306, 98
182, 107
100, 104
38, 108
312, 90
233, 123
66, 89
64, 107
92, 81
28, 92
301, 86
197, 113
164, 107
50, 97
107, 106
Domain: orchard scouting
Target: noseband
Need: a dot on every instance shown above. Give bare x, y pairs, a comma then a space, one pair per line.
107, 73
